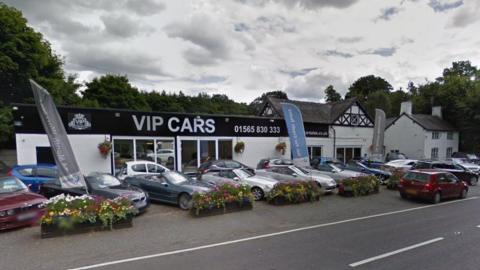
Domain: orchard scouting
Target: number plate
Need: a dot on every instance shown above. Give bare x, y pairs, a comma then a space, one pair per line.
26, 216
411, 192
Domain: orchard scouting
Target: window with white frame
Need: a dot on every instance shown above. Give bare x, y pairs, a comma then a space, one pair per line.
449, 135
449, 152
434, 154
435, 135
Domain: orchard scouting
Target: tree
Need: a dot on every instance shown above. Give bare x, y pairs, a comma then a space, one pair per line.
115, 91
331, 95
364, 86
256, 104
377, 100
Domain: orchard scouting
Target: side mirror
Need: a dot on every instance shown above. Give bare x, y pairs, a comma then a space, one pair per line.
333, 171
236, 178
294, 174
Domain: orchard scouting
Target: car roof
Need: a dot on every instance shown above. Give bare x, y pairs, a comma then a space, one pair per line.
428, 171
35, 165
140, 162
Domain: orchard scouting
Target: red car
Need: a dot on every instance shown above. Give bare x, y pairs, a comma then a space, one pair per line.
18, 206
432, 185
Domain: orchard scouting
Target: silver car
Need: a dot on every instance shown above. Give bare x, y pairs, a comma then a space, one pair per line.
260, 185
337, 171
292, 172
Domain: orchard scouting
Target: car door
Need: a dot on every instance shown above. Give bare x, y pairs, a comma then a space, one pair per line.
456, 185
445, 184
154, 169
152, 186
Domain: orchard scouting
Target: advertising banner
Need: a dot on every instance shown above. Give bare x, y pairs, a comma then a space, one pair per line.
296, 132
378, 134
68, 170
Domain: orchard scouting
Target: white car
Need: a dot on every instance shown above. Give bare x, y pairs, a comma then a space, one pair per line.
260, 185
466, 164
163, 155
402, 164
140, 167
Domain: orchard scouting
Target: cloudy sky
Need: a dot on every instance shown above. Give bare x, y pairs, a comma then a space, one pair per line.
245, 47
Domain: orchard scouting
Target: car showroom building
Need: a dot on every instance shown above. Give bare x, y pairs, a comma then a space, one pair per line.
183, 141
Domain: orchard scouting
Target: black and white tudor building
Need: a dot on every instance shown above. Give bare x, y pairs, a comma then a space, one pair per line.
183, 141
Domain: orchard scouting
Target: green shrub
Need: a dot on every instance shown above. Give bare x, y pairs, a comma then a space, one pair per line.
359, 186
294, 192
220, 196
393, 180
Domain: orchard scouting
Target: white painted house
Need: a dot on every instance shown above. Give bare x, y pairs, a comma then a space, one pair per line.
421, 136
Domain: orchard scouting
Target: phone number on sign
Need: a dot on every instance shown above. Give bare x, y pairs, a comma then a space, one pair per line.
256, 129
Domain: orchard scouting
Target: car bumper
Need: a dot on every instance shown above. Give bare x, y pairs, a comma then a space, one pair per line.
20, 220
142, 206
419, 194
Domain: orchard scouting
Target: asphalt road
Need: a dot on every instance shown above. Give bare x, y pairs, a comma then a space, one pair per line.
344, 232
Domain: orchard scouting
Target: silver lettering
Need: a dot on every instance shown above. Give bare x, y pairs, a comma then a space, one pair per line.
210, 123
198, 123
156, 122
170, 121
186, 125
138, 125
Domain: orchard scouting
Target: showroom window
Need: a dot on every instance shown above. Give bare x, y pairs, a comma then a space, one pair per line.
345, 154
314, 151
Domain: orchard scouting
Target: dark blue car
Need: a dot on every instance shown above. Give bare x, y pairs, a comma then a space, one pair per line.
360, 167
34, 175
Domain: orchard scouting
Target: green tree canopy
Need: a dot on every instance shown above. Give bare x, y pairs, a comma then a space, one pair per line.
331, 95
256, 104
364, 86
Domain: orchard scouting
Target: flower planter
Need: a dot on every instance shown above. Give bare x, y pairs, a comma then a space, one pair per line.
53, 230
280, 200
229, 208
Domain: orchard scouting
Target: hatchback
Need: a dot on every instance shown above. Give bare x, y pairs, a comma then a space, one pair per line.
34, 175
431, 185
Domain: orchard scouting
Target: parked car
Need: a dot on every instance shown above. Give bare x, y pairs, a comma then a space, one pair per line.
401, 164
34, 175
337, 171
394, 156
472, 158
18, 205
221, 164
170, 187
4, 169
260, 185
374, 164
458, 170
360, 167
432, 185
265, 163
466, 164
103, 185
140, 167
162, 156
323, 160
292, 172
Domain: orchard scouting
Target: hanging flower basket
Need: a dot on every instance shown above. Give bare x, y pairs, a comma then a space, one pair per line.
105, 148
281, 147
239, 147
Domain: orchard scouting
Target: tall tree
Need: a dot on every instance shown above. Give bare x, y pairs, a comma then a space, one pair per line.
331, 95
115, 91
364, 86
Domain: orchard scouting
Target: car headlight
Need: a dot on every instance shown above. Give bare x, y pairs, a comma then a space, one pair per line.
2, 213
10, 212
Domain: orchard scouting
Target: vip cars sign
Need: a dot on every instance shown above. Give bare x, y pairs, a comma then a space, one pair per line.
132, 123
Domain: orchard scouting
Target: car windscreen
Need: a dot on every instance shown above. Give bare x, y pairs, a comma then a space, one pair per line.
243, 173
175, 177
103, 181
337, 166
11, 184
416, 176
422, 165
301, 170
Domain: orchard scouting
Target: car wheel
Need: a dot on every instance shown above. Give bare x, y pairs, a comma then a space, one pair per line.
381, 179
185, 201
464, 193
473, 181
257, 193
437, 198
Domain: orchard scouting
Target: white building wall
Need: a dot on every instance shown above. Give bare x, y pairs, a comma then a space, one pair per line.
406, 136
442, 143
353, 137
84, 148
257, 148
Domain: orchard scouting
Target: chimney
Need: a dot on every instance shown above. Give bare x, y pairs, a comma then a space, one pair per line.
437, 111
406, 107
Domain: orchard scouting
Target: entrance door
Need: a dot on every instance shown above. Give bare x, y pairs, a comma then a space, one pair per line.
189, 155
345, 154
194, 152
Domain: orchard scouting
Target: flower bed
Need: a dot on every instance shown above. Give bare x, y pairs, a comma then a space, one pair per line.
222, 199
392, 182
359, 186
294, 192
70, 215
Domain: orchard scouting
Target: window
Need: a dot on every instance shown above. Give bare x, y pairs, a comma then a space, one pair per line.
225, 149
314, 151
26, 172
345, 154
449, 135
449, 152
139, 168
354, 119
442, 178
434, 154
435, 135
152, 168
46, 172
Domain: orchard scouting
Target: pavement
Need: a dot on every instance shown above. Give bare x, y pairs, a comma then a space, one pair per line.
380, 231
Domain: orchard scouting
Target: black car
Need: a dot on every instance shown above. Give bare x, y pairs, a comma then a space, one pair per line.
100, 184
272, 162
170, 187
458, 170
222, 164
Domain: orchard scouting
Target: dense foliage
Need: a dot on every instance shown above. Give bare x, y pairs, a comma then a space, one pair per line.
359, 186
393, 180
294, 192
66, 211
220, 196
